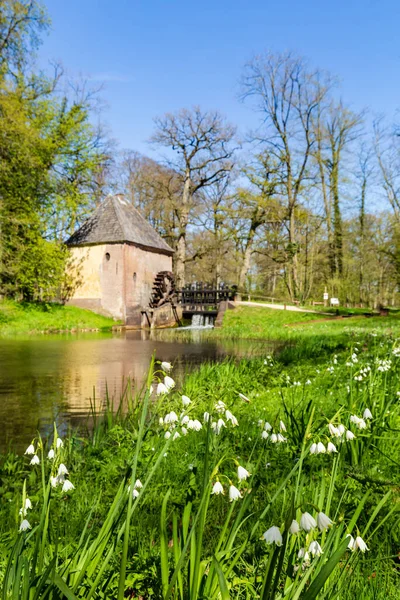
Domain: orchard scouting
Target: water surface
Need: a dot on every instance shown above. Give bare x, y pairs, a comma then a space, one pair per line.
56, 377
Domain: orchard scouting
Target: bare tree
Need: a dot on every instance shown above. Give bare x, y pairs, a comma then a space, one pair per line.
203, 144
288, 96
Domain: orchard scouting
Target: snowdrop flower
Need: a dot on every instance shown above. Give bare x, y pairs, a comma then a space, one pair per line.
303, 554
51, 454
217, 488
351, 545
161, 421
243, 397
341, 429
35, 460
367, 414
53, 481
218, 426
265, 435
323, 521
161, 389
354, 419
196, 425
186, 400
360, 544
185, 420
167, 435
321, 448
166, 366
281, 438
231, 418
184, 431
361, 424
30, 449
59, 443
315, 549
282, 426
273, 536
331, 448
25, 525
138, 484
333, 430
28, 504
307, 522
135, 493
267, 426
171, 417
62, 470
313, 449
242, 473
294, 528
169, 382
67, 486
349, 435
220, 406
274, 438
234, 493
176, 436
308, 382
206, 417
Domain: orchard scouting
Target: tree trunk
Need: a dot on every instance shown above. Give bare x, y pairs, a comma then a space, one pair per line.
180, 254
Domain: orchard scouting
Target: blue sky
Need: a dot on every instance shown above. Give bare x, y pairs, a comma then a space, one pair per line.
159, 56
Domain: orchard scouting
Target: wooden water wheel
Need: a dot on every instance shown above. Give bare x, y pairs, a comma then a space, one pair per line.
163, 289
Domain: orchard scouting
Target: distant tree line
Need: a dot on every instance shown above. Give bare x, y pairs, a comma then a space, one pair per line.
308, 201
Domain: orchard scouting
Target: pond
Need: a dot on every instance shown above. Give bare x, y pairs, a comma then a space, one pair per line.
56, 377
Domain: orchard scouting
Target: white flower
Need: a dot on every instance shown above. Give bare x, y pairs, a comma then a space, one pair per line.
25, 525
166, 366
315, 549
274, 438
167, 435
367, 414
53, 481
185, 420
176, 436
323, 521
267, 426
333, 430
135, 493
361, 424
281, 438
360, 544
28, 504
169, 382
273, 536
161, 389
265, 435
62, 470
35, 460
67, 486
197, 425
138, 484
331, 448
51, 454
30, 449
282, 426
242, 473
313, 449
59, 443
294, 528
234, 493
161, 421
217, 488
219, 425
307, 522
231, 418
151, 389
243, 397
171, 417
350, 435
303, 554
220, 406
351, 544
341, 429
184, 431
206, 417
321, 448
186, 401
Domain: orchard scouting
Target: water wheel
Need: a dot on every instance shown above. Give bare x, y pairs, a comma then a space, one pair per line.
163, 289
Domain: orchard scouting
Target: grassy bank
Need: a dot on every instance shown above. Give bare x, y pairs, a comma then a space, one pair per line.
24, 318
150, 513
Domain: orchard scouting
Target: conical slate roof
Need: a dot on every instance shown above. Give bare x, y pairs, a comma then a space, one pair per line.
116, 221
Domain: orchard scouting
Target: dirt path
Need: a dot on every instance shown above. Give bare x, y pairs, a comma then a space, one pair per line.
283, 307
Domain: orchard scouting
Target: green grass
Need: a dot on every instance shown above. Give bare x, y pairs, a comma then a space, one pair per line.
28, 318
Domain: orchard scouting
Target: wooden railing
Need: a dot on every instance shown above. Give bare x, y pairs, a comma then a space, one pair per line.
205, 295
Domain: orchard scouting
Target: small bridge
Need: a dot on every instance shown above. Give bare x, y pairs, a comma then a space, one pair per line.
203, 298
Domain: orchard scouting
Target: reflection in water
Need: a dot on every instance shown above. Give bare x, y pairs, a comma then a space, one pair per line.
54, 378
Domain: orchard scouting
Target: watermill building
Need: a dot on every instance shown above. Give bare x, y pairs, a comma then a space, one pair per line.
119, 256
